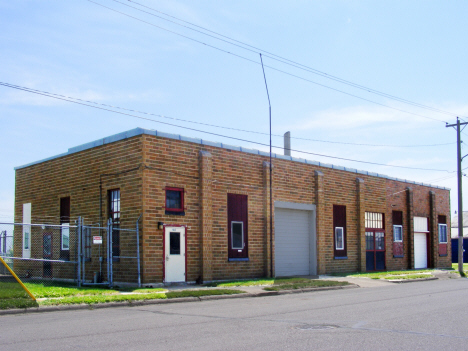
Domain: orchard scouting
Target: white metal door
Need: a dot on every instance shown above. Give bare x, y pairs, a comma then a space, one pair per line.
174, 242
420, 250
292, 242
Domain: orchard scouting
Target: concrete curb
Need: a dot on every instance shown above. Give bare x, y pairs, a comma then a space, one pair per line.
166, 301
399, 281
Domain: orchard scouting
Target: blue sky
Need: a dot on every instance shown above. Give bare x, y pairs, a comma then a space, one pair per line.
414, 50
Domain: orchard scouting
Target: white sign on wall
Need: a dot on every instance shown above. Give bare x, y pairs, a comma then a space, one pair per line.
97, 239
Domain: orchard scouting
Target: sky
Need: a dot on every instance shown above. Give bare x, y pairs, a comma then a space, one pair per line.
196, 65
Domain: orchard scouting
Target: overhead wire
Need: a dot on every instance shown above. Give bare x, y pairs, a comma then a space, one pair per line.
278, 58
230, 128
221, 135
268, 66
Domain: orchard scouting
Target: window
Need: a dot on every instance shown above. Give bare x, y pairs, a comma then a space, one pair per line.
65, 236
443, 233
237, 228
114, 215
27, 240
175, 201
65, 230
442, 221
397, 233
374, 220
339, 238
397, 218
27, 230
339, 229
237, 235
87, 243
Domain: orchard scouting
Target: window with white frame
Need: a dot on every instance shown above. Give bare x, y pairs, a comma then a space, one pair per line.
339, 238
65, 236
442, 233
398, 233
237, 235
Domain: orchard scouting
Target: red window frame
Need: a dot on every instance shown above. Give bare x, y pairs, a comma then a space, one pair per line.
339, 221
179, 210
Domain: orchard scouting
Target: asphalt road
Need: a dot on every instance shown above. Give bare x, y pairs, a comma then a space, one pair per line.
431, 315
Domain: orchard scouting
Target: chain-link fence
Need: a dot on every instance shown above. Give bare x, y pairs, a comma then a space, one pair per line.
40, 253
71, 254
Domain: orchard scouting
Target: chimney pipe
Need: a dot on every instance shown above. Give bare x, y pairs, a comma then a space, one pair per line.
287, 144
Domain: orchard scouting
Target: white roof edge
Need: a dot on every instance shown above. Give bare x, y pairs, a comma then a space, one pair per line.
141, 131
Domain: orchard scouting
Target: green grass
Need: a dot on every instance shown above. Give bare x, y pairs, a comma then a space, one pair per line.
251, 282
383, 275
12, 295
90, 300
465, 268
302, 283
407, 276
198, 293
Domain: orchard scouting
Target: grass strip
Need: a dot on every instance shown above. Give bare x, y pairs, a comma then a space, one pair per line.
198, 293
251, 282
302, 284
90, 300
407, 276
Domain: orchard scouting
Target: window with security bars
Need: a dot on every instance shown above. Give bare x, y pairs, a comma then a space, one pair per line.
374, 220
114, 215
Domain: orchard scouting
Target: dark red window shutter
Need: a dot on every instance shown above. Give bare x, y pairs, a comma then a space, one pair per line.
237, 212
397, 217
339, 220
442, 219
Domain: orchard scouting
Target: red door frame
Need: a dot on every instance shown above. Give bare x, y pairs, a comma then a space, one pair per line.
374, 230
164, 248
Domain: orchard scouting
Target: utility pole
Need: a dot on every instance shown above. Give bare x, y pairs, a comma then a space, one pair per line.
460, 198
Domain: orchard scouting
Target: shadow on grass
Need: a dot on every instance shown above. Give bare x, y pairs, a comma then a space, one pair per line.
12, 295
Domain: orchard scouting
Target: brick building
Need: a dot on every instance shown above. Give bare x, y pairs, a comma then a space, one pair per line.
206, 213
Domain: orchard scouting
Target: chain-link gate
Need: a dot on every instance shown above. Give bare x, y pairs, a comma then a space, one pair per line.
109, 255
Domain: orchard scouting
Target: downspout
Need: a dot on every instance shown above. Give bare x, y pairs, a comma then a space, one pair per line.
138, 249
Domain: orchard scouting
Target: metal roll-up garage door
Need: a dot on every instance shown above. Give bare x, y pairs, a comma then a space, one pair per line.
293, 229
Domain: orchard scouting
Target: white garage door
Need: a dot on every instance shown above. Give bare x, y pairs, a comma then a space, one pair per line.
420, 250
292, 242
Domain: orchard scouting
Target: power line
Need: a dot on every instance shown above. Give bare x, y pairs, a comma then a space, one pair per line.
221, 135
278, 58
271, 67
224, 127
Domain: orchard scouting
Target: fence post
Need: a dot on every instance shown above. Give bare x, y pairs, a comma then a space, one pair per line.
111, 253
138, 249
78, 231
4, 251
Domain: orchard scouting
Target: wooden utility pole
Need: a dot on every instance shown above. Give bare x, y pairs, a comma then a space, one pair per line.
460, 196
